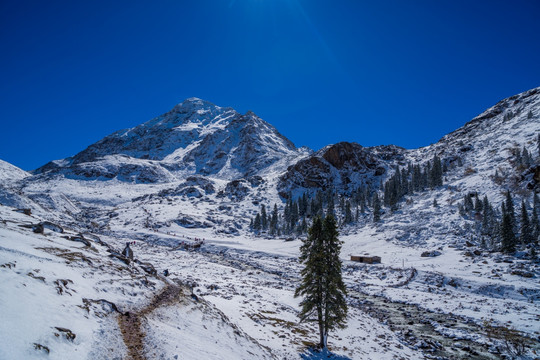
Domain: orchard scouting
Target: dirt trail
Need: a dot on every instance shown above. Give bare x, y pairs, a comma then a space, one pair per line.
131, 322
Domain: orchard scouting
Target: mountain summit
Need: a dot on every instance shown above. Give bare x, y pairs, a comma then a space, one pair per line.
194, 137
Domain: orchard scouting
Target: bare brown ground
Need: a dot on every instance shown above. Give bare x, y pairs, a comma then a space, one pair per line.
130, 323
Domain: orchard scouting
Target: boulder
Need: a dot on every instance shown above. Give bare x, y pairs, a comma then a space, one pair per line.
431, 253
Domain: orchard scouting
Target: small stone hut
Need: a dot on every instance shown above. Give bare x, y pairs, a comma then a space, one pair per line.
367, 259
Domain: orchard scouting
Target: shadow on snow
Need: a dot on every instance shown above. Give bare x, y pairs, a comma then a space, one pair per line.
325, 354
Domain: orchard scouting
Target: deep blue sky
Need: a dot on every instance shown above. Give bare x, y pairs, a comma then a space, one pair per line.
374, 72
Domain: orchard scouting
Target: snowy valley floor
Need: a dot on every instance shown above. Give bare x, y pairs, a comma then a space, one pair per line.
233, 299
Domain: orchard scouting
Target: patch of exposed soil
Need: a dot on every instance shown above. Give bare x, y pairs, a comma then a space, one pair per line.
131, 323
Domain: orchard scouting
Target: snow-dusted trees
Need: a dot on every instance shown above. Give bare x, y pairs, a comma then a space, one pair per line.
414, 178
322, 287
504, 231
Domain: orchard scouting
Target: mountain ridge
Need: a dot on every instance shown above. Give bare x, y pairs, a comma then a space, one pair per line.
194, 137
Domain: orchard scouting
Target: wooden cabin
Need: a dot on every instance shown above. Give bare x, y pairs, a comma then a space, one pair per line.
367, 259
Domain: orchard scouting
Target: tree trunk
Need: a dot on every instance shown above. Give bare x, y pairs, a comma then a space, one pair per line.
322, 340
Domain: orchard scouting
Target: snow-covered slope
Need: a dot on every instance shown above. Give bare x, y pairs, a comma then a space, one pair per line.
65, 296
10, 173
491, 142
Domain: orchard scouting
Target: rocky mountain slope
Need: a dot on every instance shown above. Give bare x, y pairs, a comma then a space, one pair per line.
343, 166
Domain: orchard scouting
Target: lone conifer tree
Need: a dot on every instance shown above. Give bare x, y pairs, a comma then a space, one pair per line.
322, 286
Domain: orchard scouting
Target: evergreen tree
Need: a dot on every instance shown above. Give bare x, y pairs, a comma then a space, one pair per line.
348, 213
435, 204
303, 205
319, 201
478, 204
313, 207
322, 286
330, 211
264, 218
525, 234
517, 156
535, 226
536, 201
376, 208
461, 209
425, 176
509, 206
287, 213
508, 239
529, 115
404, 183
303, 226
533, 254
257, 222
415, 179
467, 203
436, 172
274, 220
362, 204
487, 218
294, 214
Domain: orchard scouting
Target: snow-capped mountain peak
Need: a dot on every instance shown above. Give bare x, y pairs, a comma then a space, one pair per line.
194, 137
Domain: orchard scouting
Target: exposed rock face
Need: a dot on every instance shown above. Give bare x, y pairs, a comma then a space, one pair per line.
195, 137
349, 154
127, 252
193, 186
343, 166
